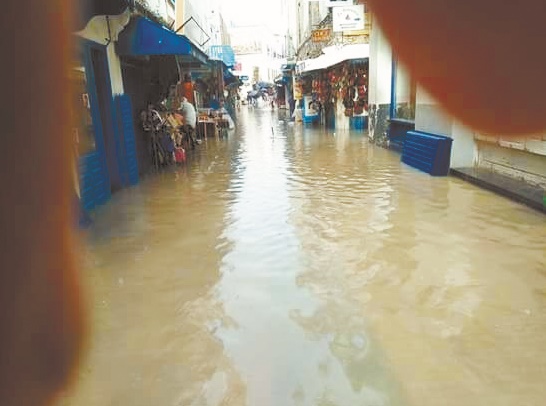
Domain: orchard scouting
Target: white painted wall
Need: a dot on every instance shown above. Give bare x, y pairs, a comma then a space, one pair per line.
464, 151
512, 162
162, 8
305, 10
290, 9
380, 71
97, 30
403, 84
323, 9
380, 66
429, 117
303, 20
522, 158
206, 14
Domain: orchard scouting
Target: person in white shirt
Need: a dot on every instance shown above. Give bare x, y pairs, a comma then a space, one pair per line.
188, 112
190, 120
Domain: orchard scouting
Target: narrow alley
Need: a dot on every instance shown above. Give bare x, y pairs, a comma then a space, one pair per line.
287, 265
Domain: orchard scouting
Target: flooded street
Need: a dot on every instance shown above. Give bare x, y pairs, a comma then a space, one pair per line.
291, 266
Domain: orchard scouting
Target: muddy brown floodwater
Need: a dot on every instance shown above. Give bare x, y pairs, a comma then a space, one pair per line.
291, 266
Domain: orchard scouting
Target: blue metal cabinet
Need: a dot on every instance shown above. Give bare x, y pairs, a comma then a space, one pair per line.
428, 152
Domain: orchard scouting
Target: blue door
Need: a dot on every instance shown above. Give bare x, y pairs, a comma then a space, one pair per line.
96, 136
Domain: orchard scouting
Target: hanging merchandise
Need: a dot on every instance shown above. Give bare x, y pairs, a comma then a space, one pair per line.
348, 99
324, 87
317, 87
346, 82
345, 89
358, 109
361, 77
361, 91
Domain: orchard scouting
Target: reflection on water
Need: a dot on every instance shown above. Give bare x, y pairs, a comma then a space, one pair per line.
290, 266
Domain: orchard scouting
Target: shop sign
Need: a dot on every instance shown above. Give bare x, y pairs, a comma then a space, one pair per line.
321, 35
348, 18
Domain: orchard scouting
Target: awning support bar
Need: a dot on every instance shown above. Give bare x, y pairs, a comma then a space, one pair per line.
196, 23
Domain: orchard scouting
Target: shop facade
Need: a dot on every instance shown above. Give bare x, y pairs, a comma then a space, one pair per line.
123, 61
331, 75
156, 60
103, 132
333, 88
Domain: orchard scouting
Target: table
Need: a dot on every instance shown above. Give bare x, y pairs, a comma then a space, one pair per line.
206, 123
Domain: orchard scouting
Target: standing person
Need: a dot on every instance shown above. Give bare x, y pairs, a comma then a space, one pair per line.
190, 120
186, 89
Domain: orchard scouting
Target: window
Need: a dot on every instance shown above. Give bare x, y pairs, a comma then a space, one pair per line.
404, 93
82, 123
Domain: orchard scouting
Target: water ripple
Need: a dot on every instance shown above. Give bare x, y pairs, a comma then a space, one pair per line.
299, 267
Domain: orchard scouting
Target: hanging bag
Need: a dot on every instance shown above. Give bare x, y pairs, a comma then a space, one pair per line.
180, 155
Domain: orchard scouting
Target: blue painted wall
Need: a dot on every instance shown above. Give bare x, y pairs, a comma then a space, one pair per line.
128, 162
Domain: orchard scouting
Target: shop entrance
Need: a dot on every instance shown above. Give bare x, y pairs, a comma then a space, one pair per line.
91, 178
96, 142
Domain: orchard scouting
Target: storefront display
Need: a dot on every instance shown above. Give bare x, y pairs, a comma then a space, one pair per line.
354, 94
345, 84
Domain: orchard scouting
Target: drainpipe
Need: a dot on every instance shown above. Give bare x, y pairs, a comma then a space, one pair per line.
392, 109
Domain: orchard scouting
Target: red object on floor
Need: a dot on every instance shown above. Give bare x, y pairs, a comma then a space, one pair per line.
180, 155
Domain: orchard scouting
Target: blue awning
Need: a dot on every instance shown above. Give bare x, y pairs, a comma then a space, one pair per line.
144, 37
222, 53
229, 77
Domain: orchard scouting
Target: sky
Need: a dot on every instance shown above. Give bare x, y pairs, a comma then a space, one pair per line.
250, 12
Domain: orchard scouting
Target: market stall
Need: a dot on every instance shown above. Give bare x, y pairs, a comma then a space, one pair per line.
214, 122
336, 85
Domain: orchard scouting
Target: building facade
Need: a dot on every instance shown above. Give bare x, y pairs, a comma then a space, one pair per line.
127, 56
332, 63
398, 104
